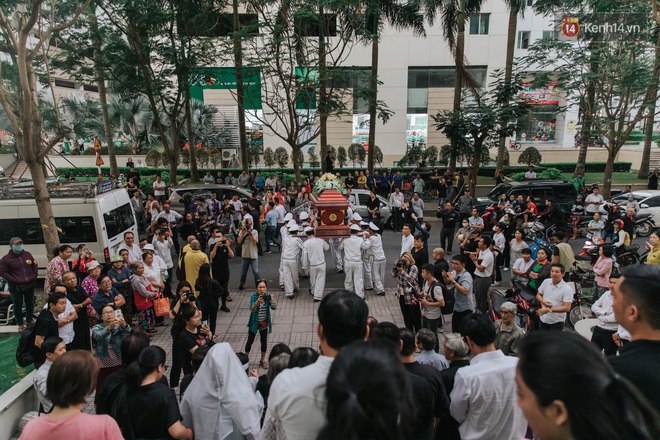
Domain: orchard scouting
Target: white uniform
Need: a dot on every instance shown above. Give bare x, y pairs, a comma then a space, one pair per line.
336, 254
292, 246
353, 266
284, 233
367, 260
313, 261
378, 262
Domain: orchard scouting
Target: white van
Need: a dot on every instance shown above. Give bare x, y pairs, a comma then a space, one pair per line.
85, 213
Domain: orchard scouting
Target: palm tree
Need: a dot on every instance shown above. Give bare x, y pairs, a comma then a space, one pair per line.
77, 114
515, 7
204, 125
132, 116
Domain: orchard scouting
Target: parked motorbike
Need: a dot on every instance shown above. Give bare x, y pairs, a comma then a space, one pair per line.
644, 224
524, 298
644, 255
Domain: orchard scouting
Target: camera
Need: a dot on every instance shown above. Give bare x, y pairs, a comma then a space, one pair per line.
188, 294
223, 241
163, 231
401, 264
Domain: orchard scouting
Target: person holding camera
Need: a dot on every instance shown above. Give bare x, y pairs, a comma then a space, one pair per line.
248, 238
261, 303
184, 297
79, 265
107, 336
221, 251
407, 290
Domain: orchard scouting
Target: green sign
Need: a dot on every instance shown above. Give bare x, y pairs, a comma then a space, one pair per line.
224, 78
307, 82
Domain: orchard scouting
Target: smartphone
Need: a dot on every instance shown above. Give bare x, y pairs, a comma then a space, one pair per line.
204, 323
118, 314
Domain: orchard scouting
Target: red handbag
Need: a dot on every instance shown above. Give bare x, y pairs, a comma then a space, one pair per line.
140, 302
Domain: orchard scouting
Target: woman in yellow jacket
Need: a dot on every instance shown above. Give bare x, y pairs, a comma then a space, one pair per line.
654, 253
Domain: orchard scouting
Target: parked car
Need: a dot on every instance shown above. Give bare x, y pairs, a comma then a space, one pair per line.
178, 193
362, 197
561, 192
648, 200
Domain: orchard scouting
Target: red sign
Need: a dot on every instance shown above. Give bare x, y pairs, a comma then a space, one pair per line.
570, 27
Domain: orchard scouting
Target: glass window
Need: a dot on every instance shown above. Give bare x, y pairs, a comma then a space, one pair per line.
523, 40
479, 24
551, 35
652, 202
70, 229
118, 220
363, 199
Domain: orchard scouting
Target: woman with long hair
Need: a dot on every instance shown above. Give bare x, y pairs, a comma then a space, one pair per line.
567, 391
210, 290
193, 335
368, 394
261, 302
70, 380
152, 407
603, 269
517, 244
184, 298
57, 266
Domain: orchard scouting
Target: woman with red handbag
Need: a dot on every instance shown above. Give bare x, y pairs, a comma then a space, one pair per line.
142, 296
261, 303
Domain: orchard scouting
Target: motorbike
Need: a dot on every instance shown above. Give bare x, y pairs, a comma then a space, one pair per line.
644, 255
644, 224
524, 298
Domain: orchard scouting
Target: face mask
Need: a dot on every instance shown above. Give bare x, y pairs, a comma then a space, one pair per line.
465, 225
17, 248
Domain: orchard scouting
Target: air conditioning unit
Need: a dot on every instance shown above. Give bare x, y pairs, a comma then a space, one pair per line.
227, 153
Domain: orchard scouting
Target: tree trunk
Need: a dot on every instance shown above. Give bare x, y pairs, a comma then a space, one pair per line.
103, 96
295, 156
194, 174
474, 166
508, 73
458, 85
609, 168
321, 107
644, 167
587, 117
240, 90
373, 103
173, 161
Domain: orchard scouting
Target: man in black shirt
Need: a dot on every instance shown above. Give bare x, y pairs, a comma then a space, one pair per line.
636, 306
421, 256
440, 264
254, 206
448, 216
427, 372
47, 324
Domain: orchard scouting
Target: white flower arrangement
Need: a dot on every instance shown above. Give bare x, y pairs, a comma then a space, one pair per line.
328, 181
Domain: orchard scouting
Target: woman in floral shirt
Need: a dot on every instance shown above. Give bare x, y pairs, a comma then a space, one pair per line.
89, 284
57, 267
406, 272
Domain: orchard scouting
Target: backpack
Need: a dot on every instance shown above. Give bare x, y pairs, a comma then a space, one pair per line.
626, 241
181, 267
25, 349
448, 296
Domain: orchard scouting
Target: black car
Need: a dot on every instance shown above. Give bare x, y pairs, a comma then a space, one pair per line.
561, 192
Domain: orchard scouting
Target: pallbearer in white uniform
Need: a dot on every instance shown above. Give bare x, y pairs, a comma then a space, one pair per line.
353, 267
284, 232
378, 258
313, 262
367, 258
291, 250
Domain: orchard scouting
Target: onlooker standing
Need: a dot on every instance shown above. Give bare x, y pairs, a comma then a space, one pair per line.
483, 400
134, 251
461, 281
508, 333
56, 267
138, 206
396, 202
636, 306
47, 325
20, 269
108, 335
418, 184
407, 239
417, 205
297, 398
555, 297
70, 380
593, 202
52, 348
80, 300
432, 300
483, 262
192, 261
159, 190
248, 238
607, 327
427, 341
653, 180
271, 228
260, 321
465, 203
406, 273
456, 351
448, 217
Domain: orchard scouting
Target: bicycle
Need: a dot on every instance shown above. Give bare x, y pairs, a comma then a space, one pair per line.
514, 145
581, 307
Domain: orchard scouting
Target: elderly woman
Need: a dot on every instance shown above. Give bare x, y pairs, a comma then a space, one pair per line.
507, 333
407, 289
108, 335
143, 293
90, 284
456, 351
152, 272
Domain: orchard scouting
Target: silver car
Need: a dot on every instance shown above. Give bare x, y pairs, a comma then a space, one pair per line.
177, 193
362, 196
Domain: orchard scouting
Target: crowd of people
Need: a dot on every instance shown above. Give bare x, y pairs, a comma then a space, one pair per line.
366, 379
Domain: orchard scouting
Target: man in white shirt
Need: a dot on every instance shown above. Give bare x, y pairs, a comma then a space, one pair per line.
66, 318
396, 202
238, 206
172, 218
379, 261
407, 240
530, 174
159, 190
292, 246
313, 259
607, 326
593, 202
555, 297
417, 205
281, 213
484, 262
522, 266
297, 400
484, 397
353, 268
475, 222
162, 243
284, 233
53, 348
134, 251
